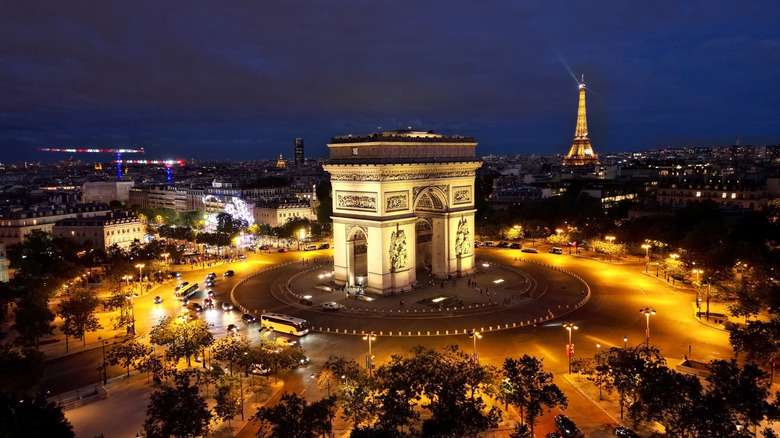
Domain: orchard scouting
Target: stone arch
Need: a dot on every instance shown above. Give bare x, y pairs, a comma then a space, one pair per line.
357, 242
423, 228
431, 199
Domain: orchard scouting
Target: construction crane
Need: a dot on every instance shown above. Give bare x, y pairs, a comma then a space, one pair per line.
168, 164
117, 151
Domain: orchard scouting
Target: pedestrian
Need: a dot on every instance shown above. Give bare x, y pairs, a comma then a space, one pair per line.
402, 303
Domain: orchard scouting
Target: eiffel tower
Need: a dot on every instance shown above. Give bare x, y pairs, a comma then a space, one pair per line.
581, 153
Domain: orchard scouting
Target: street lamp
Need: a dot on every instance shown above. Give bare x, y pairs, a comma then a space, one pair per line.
569, 326
474, 334
301, 236
103, 343
165, 256
611, 239
697, 272
132, 312
647, 311
370, 362
140, 267
127, 279
647, 255
625, 341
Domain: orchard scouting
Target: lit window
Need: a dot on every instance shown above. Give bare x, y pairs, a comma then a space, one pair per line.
733, 196
698, 194
724, 195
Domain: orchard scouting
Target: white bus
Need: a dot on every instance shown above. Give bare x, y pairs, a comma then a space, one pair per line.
186, 291
285, 324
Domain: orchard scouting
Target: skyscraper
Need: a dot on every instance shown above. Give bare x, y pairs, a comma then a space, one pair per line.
298, 152
581, 152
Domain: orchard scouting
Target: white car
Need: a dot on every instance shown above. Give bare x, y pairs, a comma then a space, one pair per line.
331, 305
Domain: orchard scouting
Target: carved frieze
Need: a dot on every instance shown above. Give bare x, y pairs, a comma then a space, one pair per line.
395, 201
461, 195
398, 253
400, 175
356, 201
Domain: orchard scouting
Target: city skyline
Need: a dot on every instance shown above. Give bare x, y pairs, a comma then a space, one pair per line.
243, 81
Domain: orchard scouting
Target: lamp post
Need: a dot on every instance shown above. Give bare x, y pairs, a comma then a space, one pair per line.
132, 312
647, 255
697, 272
103, 343
140, 267
370, 337
474, 334
647, 311
301, 236
165, 256
611, 239
625, 342
569, 326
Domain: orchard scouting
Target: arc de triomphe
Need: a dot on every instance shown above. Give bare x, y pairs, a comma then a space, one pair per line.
402, 200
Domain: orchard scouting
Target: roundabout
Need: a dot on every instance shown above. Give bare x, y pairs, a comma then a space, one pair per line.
499, 296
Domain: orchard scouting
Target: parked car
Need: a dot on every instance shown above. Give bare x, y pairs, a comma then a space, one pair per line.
157, 299
282, 250
247, 318
503, 245
310, 248
530, 250
229, 273
624, 432
556, 250
227, 306
260, 369
515, 246
265, 247
489, 244
232, 328
566, 426
324, 246
331, 305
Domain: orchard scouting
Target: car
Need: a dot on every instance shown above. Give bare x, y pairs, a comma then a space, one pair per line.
208, 303
331, 305
211, 275
260, 369
196, 307
282, 250
324, 246
265, 247
287, 342
553, 435
304, 360
566, 426
503, 245
176, 274
157, 299
489, 244
185, 302
211, 294
229, 273
529, 250
515, 246
624, 432
181, 285
208, 282
232, 328
556, 250
310, 248
242, 256
247, 318
227, 306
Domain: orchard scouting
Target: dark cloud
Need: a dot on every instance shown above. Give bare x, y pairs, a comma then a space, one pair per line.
242, 79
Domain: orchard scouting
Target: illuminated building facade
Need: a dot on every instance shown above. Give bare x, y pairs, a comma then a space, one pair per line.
581, 153
402, 200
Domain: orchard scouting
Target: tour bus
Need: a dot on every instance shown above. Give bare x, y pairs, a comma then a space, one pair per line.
285, 324
186, 291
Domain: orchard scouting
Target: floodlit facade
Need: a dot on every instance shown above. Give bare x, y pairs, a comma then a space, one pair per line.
402, 200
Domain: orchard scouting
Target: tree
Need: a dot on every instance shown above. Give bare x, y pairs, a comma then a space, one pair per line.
744, 392
532, 389
228, 399
759, 341
127, 354
33, 319
626, 367
230, 348
293, 417
678, 413
31, 417
22, 371
184, 337
78, 314
177, 411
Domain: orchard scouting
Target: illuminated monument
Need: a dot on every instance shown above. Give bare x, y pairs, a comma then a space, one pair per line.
402, 200
581, 153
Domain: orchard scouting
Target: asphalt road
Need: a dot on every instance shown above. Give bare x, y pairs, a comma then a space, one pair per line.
619, 290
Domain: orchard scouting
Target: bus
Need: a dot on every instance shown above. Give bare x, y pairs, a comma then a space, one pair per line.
285, 324
186, 291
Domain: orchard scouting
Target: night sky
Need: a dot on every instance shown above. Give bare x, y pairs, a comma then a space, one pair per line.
236, 80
